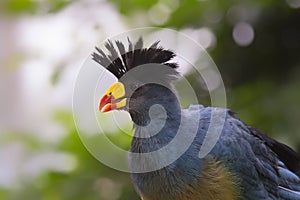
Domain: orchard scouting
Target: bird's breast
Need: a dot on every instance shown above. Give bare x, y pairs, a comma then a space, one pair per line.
212, 183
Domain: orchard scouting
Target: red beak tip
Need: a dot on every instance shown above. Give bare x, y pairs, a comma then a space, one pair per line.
105, 104
106, 108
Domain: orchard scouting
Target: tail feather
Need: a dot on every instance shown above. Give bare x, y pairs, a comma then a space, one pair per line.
289, 185
288, 194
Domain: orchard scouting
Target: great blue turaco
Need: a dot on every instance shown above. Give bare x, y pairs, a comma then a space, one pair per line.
243, 164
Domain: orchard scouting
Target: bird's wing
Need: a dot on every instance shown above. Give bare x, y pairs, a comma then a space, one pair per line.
262, 169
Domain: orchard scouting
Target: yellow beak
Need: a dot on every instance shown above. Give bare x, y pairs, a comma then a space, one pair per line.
113, 98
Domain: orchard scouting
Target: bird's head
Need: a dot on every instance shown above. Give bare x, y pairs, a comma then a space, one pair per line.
144, 75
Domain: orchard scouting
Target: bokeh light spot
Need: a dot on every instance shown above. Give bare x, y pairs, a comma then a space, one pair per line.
203, 36
159, 14
243, 34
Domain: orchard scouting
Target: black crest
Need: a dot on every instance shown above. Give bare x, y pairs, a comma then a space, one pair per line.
119, 61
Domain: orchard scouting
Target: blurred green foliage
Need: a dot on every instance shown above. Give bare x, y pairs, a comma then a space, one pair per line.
128, 7
17, 7
262, 82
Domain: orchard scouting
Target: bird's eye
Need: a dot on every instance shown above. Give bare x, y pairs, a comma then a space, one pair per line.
109, 93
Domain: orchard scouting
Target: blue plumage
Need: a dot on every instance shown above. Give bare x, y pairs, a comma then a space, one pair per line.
244, 163
254, 168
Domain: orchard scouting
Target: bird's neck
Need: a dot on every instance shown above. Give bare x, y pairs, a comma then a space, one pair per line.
165, 108
155, 121
157, 101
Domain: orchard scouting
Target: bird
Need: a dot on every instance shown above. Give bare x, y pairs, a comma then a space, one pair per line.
243, 164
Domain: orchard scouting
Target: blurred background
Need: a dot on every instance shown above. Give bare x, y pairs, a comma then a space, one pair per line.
254, 43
